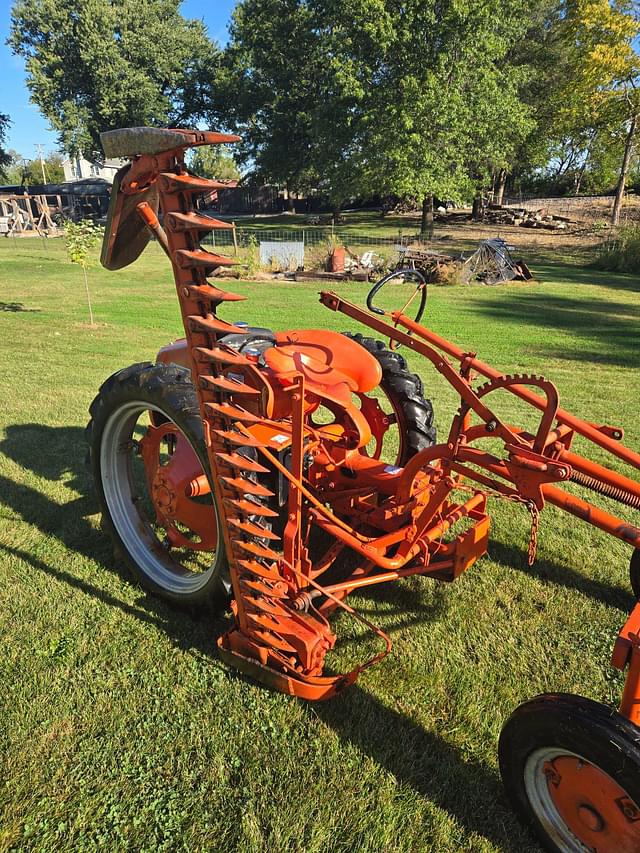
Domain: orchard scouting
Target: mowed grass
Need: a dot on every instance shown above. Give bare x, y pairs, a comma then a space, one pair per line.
120, 728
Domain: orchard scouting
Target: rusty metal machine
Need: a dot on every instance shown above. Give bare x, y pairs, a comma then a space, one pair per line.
246, 466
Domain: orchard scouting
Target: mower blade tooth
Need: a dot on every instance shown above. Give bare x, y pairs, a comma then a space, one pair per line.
208, 291
256, 550
253, 529
263, 604
273, 588
274, 623
199, 258
272, 640
251, 508
217, 355
210, 324
259, 570
261, 588
242, 463
239, 438
232, 412
247, 487
170, 183
193, 221
228, 385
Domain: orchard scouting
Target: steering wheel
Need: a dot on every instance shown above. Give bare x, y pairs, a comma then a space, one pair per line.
404, 274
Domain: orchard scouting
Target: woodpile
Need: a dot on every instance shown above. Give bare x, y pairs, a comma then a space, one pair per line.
527, 218
517, 216
434, 266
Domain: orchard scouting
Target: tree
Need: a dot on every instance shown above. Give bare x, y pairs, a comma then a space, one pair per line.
606, 72
81, 238
99, 64
214, 161
53, 170
417, 98
5, 156
584, 95
24, 172
265, 89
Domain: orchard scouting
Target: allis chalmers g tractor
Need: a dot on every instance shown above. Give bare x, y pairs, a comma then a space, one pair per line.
246, 465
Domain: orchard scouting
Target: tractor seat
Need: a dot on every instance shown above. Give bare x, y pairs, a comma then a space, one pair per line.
326, 359
320, 379
331, 385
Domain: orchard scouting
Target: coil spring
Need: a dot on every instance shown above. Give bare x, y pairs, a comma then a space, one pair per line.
615, 492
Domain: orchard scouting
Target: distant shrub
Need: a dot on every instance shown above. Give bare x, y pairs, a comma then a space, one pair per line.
621, 254
250, 257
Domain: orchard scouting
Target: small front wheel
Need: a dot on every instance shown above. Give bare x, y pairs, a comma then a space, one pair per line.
571, 768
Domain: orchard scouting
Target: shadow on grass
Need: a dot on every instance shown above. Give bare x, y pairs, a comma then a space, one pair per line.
552, 572
589, 275
469, 791
610, 329
55, 453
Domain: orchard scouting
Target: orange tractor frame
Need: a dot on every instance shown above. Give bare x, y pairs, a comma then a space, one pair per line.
294, 511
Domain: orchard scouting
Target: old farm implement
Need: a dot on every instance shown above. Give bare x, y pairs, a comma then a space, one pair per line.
247, 465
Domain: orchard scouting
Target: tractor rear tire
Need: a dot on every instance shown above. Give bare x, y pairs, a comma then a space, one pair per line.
404, 390
571, 769
163, 393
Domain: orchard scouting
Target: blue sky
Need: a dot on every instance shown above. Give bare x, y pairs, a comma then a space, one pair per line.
29, 127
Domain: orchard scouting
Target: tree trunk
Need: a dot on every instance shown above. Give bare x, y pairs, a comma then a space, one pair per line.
477, 211
502, 182
86, 287
335, 214
628, 148
426, 225
290, 206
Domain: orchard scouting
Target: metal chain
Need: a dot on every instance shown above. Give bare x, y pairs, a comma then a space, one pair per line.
532, 549
533, 536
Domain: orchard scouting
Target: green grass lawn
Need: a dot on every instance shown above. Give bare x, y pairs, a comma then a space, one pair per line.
122, 731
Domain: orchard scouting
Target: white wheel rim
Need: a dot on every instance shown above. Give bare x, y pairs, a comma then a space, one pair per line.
135, 532
537, 788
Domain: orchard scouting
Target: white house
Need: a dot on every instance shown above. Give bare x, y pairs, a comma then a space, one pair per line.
76, 168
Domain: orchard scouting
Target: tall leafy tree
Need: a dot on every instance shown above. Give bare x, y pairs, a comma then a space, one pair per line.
214, 161
288, 91
98, 64
603, 34
5, 155
31, 170
415, 98
585, 94
447, 111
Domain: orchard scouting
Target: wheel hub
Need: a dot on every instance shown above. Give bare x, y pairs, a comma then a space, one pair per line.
170, 489
591, 818
163, 496
594, 807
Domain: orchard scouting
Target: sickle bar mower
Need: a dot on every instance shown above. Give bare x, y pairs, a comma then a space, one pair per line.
263, 482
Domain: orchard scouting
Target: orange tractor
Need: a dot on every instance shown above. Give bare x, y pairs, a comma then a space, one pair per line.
246, 466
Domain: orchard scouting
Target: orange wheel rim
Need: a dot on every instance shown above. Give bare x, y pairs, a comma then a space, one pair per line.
580, 806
